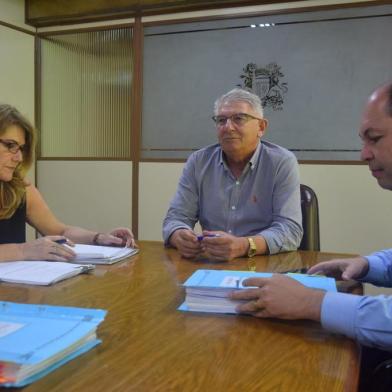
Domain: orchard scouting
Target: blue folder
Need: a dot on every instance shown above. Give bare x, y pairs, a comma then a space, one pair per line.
30, 334
228, 280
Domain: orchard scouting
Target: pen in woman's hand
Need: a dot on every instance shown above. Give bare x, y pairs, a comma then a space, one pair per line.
61, 241
64, 241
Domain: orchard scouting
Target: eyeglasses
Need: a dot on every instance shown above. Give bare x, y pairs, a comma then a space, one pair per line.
13, 147
238, 119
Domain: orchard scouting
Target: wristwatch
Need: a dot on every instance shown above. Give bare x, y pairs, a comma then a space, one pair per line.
252, 247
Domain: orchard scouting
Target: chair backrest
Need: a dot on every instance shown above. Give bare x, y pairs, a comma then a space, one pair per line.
310, 219
376, 370
382, 377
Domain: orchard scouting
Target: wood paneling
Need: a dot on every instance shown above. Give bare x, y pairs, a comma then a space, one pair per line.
137, 88
52, 12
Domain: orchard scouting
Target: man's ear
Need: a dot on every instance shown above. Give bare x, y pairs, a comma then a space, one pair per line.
263, 124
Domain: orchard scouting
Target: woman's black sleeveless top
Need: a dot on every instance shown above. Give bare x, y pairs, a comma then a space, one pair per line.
13, 230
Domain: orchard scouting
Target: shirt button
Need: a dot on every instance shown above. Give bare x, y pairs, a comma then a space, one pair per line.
237, 183
233, 207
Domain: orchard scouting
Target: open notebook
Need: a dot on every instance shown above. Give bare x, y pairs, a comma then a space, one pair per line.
48, 272
95, 254
42, 273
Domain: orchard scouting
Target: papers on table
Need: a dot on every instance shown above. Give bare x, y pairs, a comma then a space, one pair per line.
39, 272
36, 339
49, 272
208, 290
95, 254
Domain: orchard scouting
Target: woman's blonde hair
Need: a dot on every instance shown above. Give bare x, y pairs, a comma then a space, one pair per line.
13, 193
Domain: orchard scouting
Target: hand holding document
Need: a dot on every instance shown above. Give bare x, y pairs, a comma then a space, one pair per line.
48, 272
208, 290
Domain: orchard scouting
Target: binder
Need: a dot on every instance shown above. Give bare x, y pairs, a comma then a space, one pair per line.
36, 339
208, 290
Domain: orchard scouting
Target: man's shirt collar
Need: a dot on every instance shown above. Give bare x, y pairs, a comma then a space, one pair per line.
252, 161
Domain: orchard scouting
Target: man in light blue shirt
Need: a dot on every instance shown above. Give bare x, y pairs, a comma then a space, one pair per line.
365, 318
244, 192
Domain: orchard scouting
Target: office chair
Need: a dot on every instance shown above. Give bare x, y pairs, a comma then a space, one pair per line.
310, 219
382, 377
376, 370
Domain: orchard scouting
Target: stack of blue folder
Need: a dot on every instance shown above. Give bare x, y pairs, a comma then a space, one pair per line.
209, 290
36, 339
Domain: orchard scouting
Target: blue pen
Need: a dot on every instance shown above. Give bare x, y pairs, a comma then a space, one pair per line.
61, 241
200, 237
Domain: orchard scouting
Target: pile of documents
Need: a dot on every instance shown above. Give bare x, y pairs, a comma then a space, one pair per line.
36, 339
208, 290
49, 272
95, 254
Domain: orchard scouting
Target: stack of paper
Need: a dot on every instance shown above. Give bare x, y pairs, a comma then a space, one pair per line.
95, 254
39, 272
208, 290
36, 339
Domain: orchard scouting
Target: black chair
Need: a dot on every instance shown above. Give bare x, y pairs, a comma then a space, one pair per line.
382, 377
376, 370
310, 219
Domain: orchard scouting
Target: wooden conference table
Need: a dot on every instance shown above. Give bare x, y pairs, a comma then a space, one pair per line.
150, 346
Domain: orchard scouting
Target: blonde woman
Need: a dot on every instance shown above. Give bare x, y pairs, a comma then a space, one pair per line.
21, 202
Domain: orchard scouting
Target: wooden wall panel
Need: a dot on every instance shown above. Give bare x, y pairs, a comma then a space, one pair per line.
52, 12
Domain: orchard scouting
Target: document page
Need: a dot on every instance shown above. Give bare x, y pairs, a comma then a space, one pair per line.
101, 254
39, 272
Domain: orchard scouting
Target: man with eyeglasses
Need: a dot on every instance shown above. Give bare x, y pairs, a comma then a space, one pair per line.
244, 191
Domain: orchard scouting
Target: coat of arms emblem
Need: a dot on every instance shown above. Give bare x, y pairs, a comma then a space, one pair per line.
266, 83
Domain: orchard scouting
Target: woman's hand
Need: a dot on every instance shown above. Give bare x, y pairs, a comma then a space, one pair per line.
121, 236
46, 248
